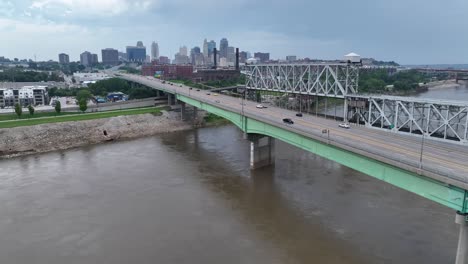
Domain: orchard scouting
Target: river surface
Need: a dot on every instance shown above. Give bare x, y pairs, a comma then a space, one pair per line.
454, 93
189, 197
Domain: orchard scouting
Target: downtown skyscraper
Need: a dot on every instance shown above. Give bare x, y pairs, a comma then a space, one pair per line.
154, 51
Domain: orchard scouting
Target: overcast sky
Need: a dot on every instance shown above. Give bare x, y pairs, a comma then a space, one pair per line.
407, 31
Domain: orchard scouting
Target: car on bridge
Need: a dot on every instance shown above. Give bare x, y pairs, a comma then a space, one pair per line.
288, 121
344, 125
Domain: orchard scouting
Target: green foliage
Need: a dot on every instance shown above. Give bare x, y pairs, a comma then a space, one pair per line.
18, 110
83, 95
102, 88
58, 107
83, 105
54, 91
20, 75
375, 81
31, 110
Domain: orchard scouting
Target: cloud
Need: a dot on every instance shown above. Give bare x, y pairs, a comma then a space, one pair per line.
94, 7
6, 8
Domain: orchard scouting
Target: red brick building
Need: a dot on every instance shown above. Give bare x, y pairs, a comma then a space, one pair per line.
169, 71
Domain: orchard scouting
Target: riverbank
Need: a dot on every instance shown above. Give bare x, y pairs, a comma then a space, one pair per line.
26, 140
446, 84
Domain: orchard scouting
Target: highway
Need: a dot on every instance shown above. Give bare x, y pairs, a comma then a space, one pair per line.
442, 161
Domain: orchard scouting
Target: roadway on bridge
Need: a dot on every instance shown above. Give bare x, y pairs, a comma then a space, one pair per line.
446, 161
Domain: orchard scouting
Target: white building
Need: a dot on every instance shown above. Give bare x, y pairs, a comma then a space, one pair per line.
86, 77
154, 51
27, 95
352, 58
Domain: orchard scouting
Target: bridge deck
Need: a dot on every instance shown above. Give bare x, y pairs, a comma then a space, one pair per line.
442, 161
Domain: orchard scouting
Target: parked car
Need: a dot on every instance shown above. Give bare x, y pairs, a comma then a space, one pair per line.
344, 125
299, 114
288, 121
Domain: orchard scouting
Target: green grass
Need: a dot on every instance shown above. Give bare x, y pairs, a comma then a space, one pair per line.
215, 120
78, 117
25, 115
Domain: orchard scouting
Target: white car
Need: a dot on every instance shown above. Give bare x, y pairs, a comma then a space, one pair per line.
260, 106
344, 125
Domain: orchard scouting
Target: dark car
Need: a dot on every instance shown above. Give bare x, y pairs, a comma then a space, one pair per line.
190, 88
207, 93
288, 121
299, 114
198, 90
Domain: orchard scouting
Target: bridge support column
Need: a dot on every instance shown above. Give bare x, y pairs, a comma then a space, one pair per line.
171, 99
462, 251
182, 110
262, 151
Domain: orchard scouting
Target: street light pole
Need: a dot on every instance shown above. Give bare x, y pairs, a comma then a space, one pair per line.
421, 154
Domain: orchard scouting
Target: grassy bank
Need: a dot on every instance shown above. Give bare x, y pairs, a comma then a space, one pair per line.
77, 117
26, 115
213, 119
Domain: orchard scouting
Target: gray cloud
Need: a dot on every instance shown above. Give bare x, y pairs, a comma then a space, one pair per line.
414, 31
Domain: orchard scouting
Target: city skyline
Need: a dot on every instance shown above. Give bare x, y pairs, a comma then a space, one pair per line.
370, 29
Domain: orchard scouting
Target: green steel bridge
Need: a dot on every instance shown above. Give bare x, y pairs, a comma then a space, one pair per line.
434, 170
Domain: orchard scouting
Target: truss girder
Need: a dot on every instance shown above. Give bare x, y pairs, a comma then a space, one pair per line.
441, 120
334, 80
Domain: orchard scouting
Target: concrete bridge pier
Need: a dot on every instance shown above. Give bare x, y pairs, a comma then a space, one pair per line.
171, 99
462, 251
182, 110
262, 150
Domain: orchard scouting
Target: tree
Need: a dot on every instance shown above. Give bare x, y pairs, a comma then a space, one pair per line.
18, 109
58, 107
83, 105
31, 110
83, 94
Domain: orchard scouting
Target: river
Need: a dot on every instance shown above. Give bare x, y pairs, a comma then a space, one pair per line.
453, 93
189, 197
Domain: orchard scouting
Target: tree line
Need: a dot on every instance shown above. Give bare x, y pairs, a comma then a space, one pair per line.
376, 81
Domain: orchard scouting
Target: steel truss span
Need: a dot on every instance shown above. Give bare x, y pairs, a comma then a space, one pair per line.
333, 80
438, 119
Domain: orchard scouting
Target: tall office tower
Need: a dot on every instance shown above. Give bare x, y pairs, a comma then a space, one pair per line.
110, 56
211, 47
183, 51
64, 58
205, 48
231, 55
223, 47
154, 51
140, 44
86, 58
136, 54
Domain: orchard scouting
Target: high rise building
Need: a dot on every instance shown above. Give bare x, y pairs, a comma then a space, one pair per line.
211, 47
223, 46
136, 54
94, 59
154, 51
263, 57
110, 56
291, 58
205, 48
86, 58
64, 58
195, 55
231, 55
183, 51
243, 56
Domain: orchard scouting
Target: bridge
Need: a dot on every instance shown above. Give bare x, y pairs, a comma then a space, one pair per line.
442, 120
457, 74
436, 170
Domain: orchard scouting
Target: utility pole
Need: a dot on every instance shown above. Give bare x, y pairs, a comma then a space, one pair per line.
421, 154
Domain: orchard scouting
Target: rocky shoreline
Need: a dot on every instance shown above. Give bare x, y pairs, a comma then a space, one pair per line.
20, 141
